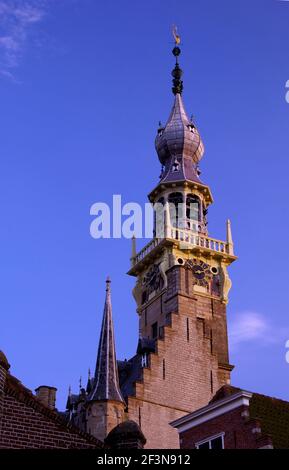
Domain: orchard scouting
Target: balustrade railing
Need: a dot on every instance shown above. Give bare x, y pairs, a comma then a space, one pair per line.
186, 236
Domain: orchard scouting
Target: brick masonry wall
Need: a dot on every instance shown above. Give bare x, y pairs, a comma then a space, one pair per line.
240, 432
2, 386
184, 373
27, 424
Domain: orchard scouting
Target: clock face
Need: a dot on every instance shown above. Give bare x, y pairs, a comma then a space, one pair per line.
198, 271
201, 272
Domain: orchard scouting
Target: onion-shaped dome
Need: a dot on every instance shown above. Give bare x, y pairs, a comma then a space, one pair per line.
179, 146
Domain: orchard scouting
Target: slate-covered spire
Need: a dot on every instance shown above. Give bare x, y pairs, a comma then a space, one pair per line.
106, 382
178, 143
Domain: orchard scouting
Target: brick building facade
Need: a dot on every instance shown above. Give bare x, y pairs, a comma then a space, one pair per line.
27, 422
236, 419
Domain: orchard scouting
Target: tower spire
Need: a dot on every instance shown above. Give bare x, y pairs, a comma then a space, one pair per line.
106, 382
178, 143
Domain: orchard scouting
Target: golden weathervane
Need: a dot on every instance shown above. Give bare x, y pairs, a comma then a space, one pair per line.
176, 36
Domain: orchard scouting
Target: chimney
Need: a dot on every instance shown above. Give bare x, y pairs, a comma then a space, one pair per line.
46, 395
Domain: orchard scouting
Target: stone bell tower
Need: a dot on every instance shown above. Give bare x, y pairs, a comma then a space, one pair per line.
181, 290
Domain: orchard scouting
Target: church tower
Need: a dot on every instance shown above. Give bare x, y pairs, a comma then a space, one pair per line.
181, 290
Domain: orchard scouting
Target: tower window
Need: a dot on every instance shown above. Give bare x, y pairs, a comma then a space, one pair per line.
193, 212
164, 369
155, 330
176, 208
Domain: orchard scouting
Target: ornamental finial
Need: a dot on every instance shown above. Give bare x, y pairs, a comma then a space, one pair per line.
108, 282
177, 38
177, 72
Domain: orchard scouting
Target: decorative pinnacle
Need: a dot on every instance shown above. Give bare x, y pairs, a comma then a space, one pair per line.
133, 248
108, 282
177, 71
230, 238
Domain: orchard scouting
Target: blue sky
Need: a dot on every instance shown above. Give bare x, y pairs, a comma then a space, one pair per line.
83, 85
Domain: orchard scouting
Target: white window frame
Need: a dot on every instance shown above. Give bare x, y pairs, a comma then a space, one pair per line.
210, 439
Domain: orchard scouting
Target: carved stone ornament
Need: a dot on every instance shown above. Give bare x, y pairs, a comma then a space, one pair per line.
153, 279
227, 284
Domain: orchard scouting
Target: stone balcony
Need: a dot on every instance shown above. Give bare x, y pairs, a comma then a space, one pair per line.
185, 240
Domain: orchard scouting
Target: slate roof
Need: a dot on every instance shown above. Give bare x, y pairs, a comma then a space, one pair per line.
274, 416
130, 372
179, 146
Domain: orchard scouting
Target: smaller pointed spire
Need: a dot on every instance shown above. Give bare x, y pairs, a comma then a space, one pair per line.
89, 385
230, 243
106, 381
69, 391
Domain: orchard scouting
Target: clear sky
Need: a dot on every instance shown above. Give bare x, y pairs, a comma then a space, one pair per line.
83, 84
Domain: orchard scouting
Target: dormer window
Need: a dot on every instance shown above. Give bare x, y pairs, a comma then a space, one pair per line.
144, 360
176, 166
192, 128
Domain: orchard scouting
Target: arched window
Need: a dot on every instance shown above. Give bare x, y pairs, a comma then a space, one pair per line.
176, 201
193, 212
